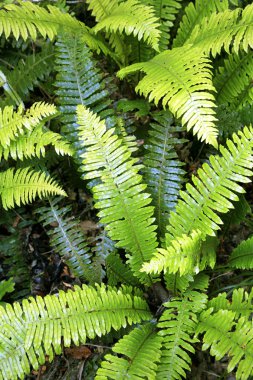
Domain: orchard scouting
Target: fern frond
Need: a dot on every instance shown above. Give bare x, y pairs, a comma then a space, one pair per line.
132, 17
194, 14
163, 171
241, 303
26, 19
33, 144
183, 88
234, 80
12, 123
224, 335
177, 327
31, 70
118, 272
101, 9
6, 286
141, 350
231, 28
79, 81
67, 238
119, 196
214, 188
24, 185
39, 326
242, 256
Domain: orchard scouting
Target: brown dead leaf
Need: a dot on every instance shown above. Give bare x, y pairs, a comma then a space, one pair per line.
88, 225
78, 353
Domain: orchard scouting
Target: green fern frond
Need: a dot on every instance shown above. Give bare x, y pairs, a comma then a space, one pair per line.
14, 122
79, 81
183, 88
31, 70
6, 286
176, 283
27, 19
101, 9
225, 335
194, 14
67, 238
141, 350
231, 28
39, 326
33, 144
132, 17
117, 272
177, 328
214, 188
24, 185
163, 171
242, 256
241, 303
234, 80
119, 196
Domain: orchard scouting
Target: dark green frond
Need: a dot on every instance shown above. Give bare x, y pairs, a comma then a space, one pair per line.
233, 82
118, 272
214, 188
227, 336
183, 88
67, 238
6, 286
34, 143
194, 14
132, 17
177, 328
224, 30
141, 350
79, 81
24, 185
14, 122
27, 19
241, 303
119, 196
242, 256
39, 326
31, 70
163, 171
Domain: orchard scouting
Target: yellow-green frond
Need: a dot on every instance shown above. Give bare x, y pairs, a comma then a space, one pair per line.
24, 185
14, 122
182, 80
132, 17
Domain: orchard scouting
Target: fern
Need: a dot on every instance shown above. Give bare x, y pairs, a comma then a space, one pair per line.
233, 82
194, 14
31, 70
195, 215
6, 286
27, 19
223, 30
177, 328
67, 238
12, 122
33, 144
23, 185
183, 88
242, 256
241, 303
124, 205
79, 82
139, 361
163, 171
35, 329
225, 335
131, 16
118, 272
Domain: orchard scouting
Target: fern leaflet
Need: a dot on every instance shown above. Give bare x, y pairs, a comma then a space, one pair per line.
242, 256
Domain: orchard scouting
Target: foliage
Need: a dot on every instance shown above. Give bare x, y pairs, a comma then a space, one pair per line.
154, 222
